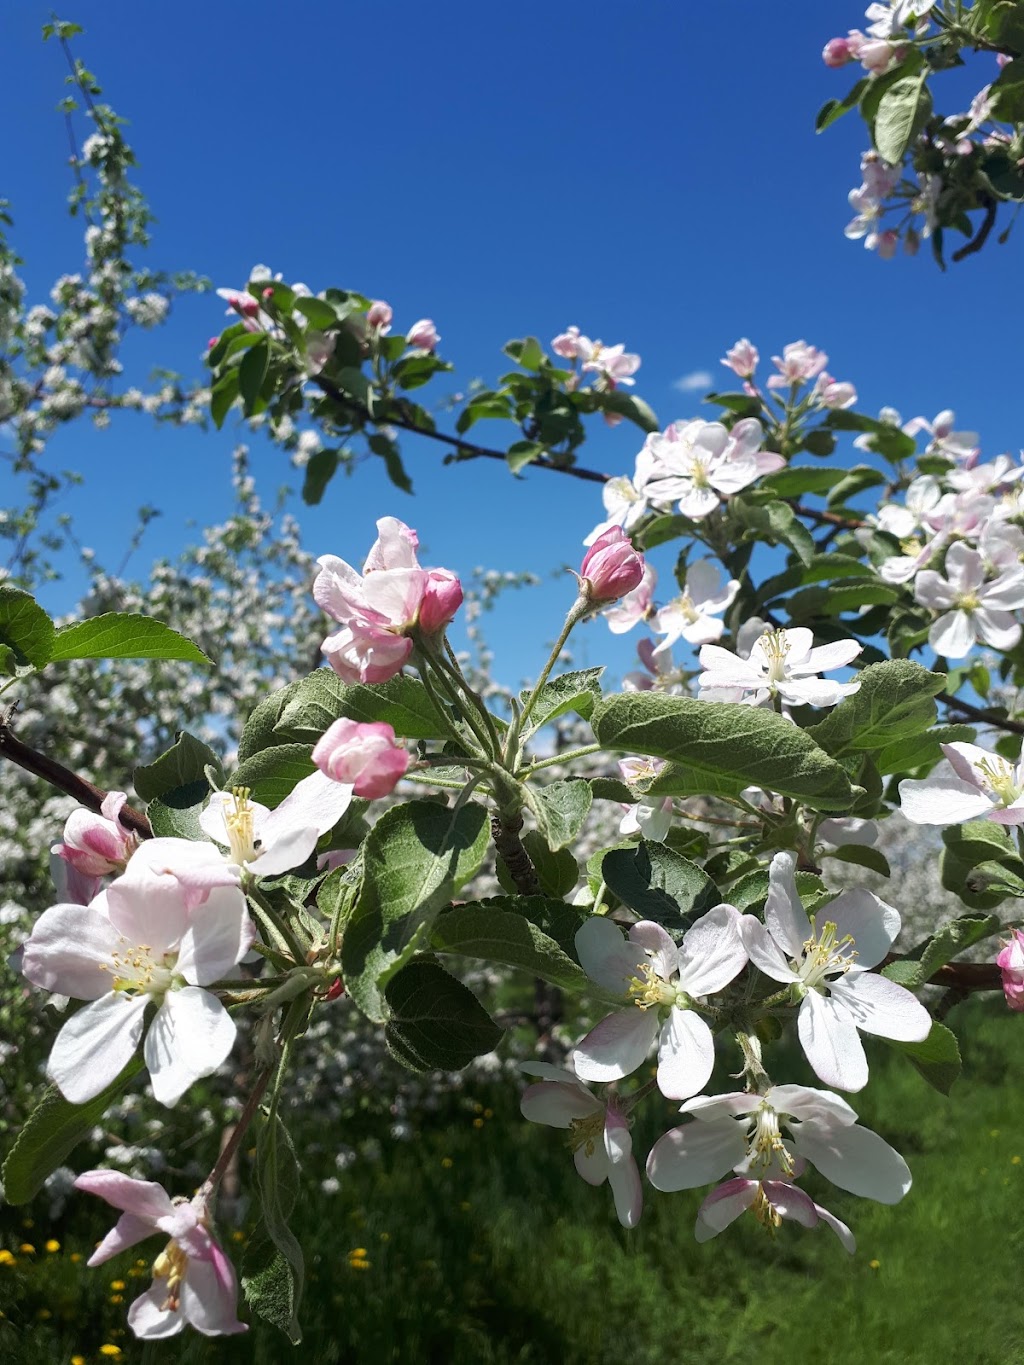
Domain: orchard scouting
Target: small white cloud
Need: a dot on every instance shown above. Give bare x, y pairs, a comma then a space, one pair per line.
696, 379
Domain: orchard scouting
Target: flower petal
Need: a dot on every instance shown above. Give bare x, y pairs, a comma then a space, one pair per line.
557, 1104
607, 958
764, 952
883, 1007
617, 1045
189, 1038
942, 798
723, 1206
784, 913
95, 1046
219, 936
70, 951
855, 1159
627, 1191
712, 951
686, 1055
831, 1043
869, 921
209, 1296
695, 1154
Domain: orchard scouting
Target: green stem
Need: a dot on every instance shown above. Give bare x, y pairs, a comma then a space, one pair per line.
565, 757
576, 614
273, 923
452, 664
453, 695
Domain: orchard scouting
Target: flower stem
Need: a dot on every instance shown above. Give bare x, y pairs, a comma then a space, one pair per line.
576, 614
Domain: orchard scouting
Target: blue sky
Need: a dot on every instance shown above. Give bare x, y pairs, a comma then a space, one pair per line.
649, 172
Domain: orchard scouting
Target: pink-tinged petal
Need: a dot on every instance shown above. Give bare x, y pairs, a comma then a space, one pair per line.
686, 1055
653, 939
127, 1232
965, 760
627, 1191
790, 1202
607, 958
153, 913
942, 798
70, 951
1009, 815
932, 590
144, 1198
695, 1154
617, 1045
193, 865
557, 1104
882, 1007
855, 1159
592, 1164
316, 801
149, 1319
190, 1036
95, 1046
1005, 593
337, 588
218, 937
72, 886
996, 628
784, 913
209, 1297
964, 567
953, 635
824, 658
804, 1102
868, 920
697, 503
713, 952
549, 1072
723, 1206
846, 1237
396, 594
618, 1144
831, 1043
394, 548
763, 951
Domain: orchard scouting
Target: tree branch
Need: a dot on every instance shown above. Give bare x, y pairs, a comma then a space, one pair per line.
1013, 727
86, 793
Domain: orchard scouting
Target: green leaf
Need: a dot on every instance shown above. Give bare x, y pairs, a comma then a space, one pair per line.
223, 395
811, 603
718, 748
272, 774
558, 870
322, 698
861, 855
317, 311
497, 930
571, 692
628, 405
922, 750
124, 635
251, 374
834, 109
560, 809
1007, 92
902, 112
774, 522
895, 702
182, 766
887, 439
52, 1130
25, 628
798, 480
414, 860
522, 453
951, 940
660, 884
855, 481
319, 472
273, 1271
974, 861
937, 1057
258, 731
178, 822
435, 1022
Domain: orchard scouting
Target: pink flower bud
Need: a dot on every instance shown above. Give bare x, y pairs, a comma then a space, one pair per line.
837, 52
423, 335
611, 567
362, 754
268, 293
441, 600
887, 243
211, 343
379, 315
567, 343
97, 845
1011, 963
742, 358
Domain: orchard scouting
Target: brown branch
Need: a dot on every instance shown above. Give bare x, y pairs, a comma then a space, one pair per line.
514, 855
828, 518
86, 793
1013, 727
981, 236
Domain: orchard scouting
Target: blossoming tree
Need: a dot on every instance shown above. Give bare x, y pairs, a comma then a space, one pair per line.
818, 615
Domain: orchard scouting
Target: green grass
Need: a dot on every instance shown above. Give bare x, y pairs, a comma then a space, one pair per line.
482, 1247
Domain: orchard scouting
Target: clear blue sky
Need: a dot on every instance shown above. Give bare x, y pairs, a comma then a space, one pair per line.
649, 172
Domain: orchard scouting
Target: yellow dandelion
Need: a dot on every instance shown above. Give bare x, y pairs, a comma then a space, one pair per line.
52, 1245
447, 1163
478, 1123
465, 1206
43, 1314
360, 1265
385, 1237
8, 1257
478, 1109
359, 1253
993, 1132
75, 1257
27, 1249
142, 1262
116, 1285
1014, 1160
488, 1113
117, 1298
77, 1360
237, 1235
874, 1264
109, 1349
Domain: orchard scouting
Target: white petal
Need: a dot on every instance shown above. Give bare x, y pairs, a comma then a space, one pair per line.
686, 1055
723, 1206
695, 1154
784, 913
95, 1046
713, 952
953, 635
883, 1007
556, 1104
664, 956
764, 952
617, 1045
291, 848
70, 951
825, 658
831, 1043
219, 936
856, 1160
149, 1319
868, 920
804, 1102
209, 1297
840, 1229
316, 801
606, 957
189, 1038
627, 1191
996, 628
942, 798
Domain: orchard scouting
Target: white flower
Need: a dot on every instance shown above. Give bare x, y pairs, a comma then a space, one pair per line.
771, 1202
742, 1132
599, 1138
828, 968
971, 784
700, 463
782, 663
650, 818
972, 609
661, 984
134, 945
694, 616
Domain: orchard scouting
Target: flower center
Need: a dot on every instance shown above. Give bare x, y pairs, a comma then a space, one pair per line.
238, 820
684, 605
823, 953
999, 778
648, 989
586, 1133
775, 647
171, 1265
766, 1147
136, 971
967, 601
699, 471
765, 1212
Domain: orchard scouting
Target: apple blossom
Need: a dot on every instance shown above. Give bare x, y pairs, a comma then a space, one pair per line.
784, 664
798, 362
636, 606
611, 568
832, 393
567, 343
971, 784
828, 969
423, 335
379, 316
599, 1137
363, 754
651, 819
137, 944
1010, 962
193, 1280
614, 364
742, 358
742, 1131
661, 984
972, 609
836, 52
97, 845
698, 464
771, 1201
695, 615
246, 837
